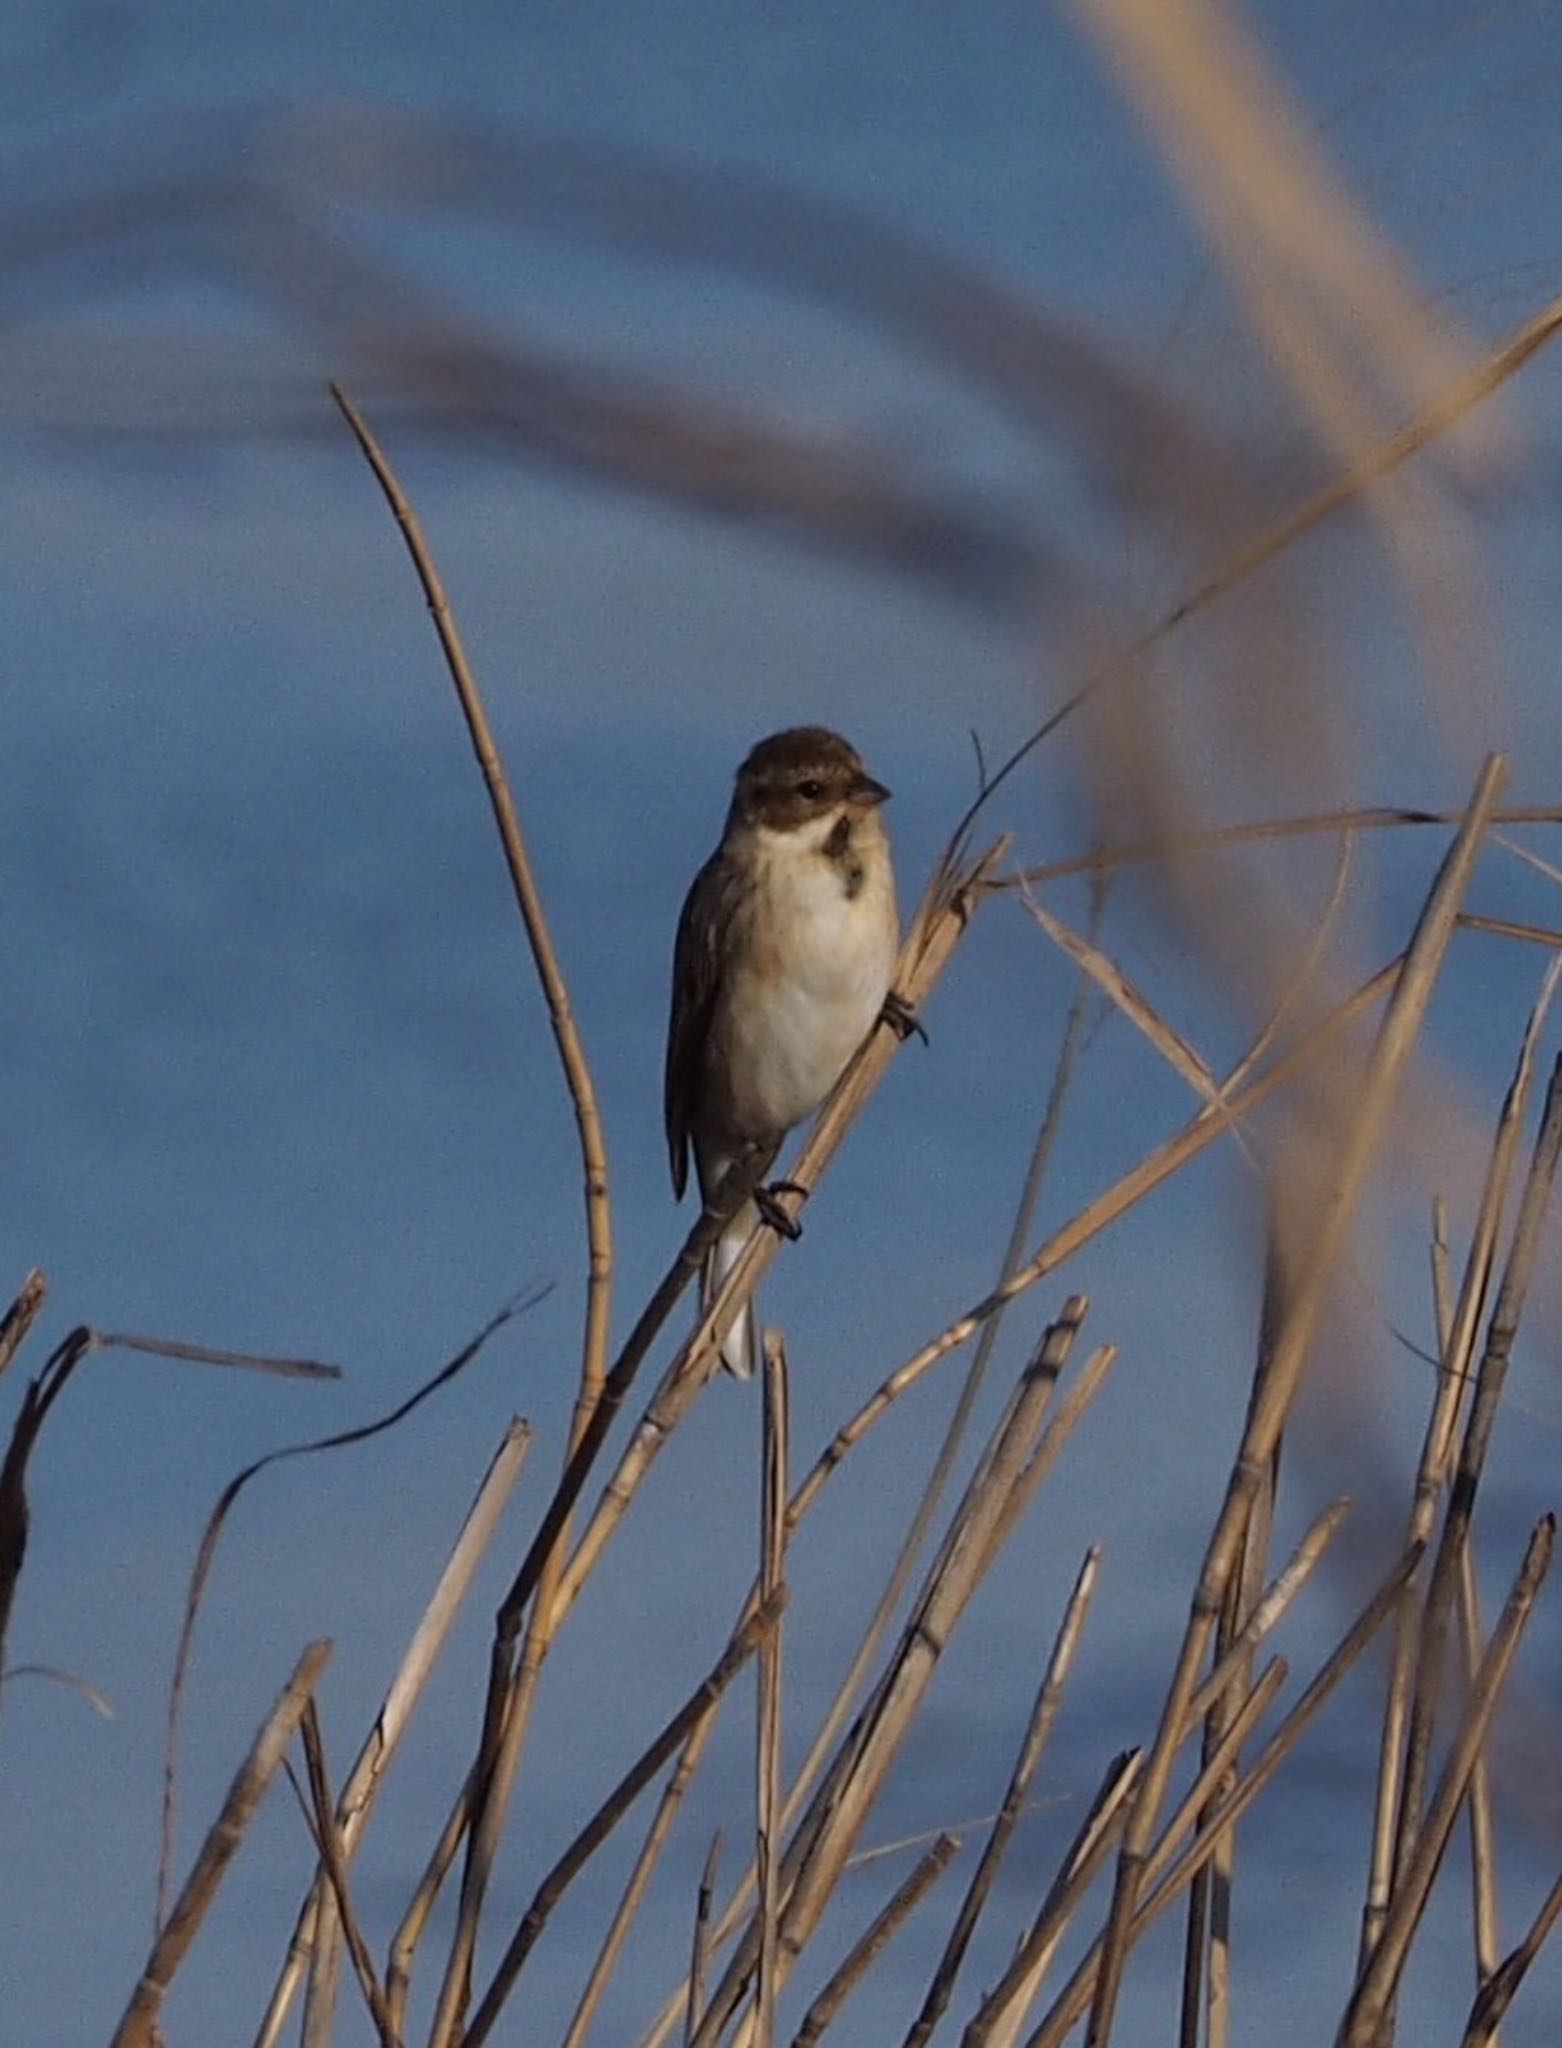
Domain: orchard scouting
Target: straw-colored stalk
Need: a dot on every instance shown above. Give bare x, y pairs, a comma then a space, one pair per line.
825, 1837
1166, 1877
598, 1204
1379, 1981
768, 1766
321, 1811
701, 1703
1002, 2013
314, 1930
1401, 1767
1361, 1138
1490, 1379
880, 1932
1038, 1731
141, 2025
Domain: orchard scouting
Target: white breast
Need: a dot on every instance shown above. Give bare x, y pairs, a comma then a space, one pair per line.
815, 974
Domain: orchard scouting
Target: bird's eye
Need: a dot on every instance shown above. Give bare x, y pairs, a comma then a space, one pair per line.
811, 788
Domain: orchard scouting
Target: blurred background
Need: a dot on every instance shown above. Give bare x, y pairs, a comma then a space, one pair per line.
888, 368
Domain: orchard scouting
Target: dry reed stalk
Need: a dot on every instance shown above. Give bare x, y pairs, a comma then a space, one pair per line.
1447, 1562
849, 1689
1317, 280
1207, 1126
701, 1703
1379, 1981
528, 898
767, 1761
826, 1835
415, 1920
1263, 1616
1483, 1827
1395, 1765
598, 1204
1056, 1435
699, 1957
880, 1932
1112, 859
206, 1354
207, 1551
1389, 456
1500, 1990
639, 1880
1358, 1148
1038, 1731
17, 1322
1182, 1057
37, 1400
333, 1855
1485, 1914
314, 1929
1073, 2001
1206, 1984
141, 2025
1003, 2011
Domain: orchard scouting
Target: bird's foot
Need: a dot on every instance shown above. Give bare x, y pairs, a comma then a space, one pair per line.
901, 1018
767, 1201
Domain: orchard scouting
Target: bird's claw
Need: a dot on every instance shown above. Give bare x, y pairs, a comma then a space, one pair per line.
901, 1018
767, 1201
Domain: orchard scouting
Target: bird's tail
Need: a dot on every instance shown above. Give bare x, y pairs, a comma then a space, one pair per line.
739, 1341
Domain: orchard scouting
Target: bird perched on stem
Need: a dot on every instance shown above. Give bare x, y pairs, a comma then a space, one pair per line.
785, 949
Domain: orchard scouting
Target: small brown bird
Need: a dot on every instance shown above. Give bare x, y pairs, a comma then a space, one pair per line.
785, 950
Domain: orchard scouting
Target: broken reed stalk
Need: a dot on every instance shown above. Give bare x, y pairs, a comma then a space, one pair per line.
1057, 1434
1203, 1130
333, 1855
701, 1703
1038, 1731
141, 2026
17, 1322
881, 1931
826, 1835
850, 1687
1492, 1375
1501, 1988
1002, 2012
767, 1761
1485, 1915
315, 1928
1206, 1984
1361, 1139
37, 1400
1483, 1825
1398, 1772
640, 1878
1379, 1981
1165, 1878
699, 1957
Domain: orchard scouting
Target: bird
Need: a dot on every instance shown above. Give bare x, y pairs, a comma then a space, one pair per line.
783, 962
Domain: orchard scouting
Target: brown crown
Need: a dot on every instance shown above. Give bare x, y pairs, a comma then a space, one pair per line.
800, 774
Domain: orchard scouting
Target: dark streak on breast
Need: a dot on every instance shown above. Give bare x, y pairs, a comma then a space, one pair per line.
840, 852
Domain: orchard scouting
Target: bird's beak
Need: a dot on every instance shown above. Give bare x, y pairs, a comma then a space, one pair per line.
868, 793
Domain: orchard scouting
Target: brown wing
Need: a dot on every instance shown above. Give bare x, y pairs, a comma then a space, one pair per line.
697, 956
